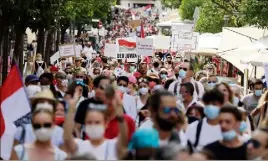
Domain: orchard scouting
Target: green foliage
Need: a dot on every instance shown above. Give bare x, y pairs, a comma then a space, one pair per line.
210, 19
255, 12
187, 8
171, 3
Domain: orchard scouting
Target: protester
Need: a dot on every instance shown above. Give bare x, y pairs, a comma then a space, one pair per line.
227, 92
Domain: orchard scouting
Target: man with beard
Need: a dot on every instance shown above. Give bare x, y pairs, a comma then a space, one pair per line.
164, 116
143, 69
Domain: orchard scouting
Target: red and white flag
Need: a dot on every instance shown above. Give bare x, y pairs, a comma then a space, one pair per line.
14, 106
148, 8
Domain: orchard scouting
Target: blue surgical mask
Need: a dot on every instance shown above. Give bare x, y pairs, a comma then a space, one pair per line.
258, 93
243, 126
131, 69
212, 111
229, 135
211, 85
163, 76
182, 74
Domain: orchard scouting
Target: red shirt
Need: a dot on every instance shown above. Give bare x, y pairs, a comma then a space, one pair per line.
112, 130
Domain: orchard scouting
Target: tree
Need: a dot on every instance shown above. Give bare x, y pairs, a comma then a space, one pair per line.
255, 12
187, 8
171, 3
210, 19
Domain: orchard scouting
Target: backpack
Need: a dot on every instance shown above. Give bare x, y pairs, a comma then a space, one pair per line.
40, 70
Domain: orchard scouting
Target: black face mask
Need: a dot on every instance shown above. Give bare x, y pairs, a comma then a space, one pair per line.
177, 75
164, 124
156, 64
169, 62
192, 119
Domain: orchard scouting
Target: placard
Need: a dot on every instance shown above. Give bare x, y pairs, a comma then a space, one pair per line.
162, 42
110, 50
78, 50
134, 23
125, 48
265, 66
184, 40
67, 50
145, 46
54, 57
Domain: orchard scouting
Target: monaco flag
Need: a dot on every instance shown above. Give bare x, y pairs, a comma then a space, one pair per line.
14, 110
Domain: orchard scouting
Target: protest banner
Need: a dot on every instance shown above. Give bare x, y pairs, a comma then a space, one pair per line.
78, 49
125, 48
67, 50
145, 46
162, 42
110, 50
185, 40
54, 57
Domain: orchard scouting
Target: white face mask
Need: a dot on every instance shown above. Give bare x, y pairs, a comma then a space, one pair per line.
45, 87
143, 91
43, 134
95, 131
31, 90
79, 79
64, 82
69, 76
123, 89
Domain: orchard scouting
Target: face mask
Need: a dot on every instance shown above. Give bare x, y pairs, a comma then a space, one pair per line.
258, 93
79, 79
212, 111
156, 64
235, 101
122, 89
131, 69
45, 87
95, 131
182, 74
43, 134
211, 85
178, 59
143, 91
64, 82
152, 84
164, 124
59, 120
229, 135
163, 76
69, 76
31, 90
243, 126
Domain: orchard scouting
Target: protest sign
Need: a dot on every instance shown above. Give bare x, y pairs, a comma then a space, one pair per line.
54, 57
162, 42
78, 49
67, 50
145, 46
265, 66
185, 40
134, 23
125, 48
110, 50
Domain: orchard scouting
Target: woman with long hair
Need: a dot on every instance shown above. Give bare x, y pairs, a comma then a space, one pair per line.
227, 92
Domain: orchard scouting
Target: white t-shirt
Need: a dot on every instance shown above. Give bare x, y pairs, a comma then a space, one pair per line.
129, 104
105, 151
208, 134
57, 137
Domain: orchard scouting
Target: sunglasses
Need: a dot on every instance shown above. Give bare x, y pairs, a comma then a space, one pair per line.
164, 73
168, 110
143, 80
69, 73
256, 144
39, 126
185, 69
212, 82
82, 77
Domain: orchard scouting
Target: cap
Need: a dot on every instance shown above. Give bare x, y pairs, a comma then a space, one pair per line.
31, 78
144, 138
54, 68
60, 75
132, 79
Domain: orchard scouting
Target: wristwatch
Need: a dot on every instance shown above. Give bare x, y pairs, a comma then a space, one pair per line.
120, 119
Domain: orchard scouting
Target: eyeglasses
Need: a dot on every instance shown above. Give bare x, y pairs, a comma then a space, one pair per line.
39, 126
185, 69
79, 77
168, 110
256, 144
143, 80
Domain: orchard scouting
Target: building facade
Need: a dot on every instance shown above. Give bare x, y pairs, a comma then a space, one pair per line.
140, 3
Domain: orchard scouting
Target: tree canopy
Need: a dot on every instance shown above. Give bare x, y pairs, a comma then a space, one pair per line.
171, 3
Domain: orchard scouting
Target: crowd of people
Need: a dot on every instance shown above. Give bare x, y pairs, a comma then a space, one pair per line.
98, 108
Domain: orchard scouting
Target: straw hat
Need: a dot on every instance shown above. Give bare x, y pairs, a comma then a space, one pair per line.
38, 57
45, 94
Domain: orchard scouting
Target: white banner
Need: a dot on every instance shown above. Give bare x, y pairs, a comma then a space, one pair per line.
78, 50
125, 48
54, 57
162, 42
185, 40
67, 50
145, 46
110, 50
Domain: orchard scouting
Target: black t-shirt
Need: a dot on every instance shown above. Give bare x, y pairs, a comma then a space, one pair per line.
222, 152
82, 110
